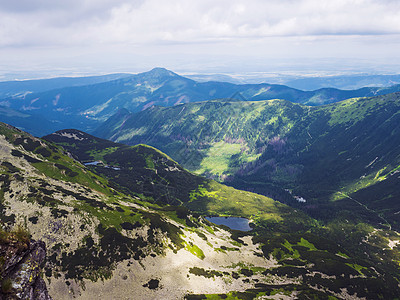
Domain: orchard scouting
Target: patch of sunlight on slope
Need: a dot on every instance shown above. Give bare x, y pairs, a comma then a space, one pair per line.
228, 201
200, 118
153, 88
261, 91
218, 157
195, 109
99, 154
361, 183
140, 99
351, 111
129, 134
97, 108
253, 157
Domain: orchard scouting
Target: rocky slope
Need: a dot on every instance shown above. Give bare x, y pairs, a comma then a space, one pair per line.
21, 266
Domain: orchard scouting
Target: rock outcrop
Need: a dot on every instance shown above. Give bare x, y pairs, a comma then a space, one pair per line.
21, 267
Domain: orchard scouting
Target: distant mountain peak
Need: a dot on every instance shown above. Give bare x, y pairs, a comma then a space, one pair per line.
160, 72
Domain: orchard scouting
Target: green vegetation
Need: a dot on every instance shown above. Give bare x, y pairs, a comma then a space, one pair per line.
303, 242
19, 235
139, 170
149, 162
205, 273
218, 158
99, 154
217, 199
357, 267
194, 250
337, 157
201, 191
6, 286
141, 188
342, 255
264, 290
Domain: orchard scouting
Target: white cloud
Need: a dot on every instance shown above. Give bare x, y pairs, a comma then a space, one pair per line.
90, 21
274, 27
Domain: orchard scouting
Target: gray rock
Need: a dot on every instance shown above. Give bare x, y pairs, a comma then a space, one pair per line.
23, 268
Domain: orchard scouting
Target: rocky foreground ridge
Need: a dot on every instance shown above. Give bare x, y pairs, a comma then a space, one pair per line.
21, 263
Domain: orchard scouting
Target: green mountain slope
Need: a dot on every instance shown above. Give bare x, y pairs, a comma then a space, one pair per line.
85, 107
105, 239
139, 170
146, 171
293, 239
326, 156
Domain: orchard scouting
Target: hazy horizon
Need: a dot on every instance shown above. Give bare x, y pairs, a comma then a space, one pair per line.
268, 76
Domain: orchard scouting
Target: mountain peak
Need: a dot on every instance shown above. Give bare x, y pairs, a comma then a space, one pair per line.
160, 72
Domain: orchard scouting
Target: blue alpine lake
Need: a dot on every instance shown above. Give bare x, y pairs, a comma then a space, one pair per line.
235, 223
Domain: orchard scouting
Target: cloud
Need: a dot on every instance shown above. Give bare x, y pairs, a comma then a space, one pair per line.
207, 20
76, 22
216, 33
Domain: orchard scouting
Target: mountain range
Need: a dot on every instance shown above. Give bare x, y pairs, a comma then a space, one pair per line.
337, 157
305, 82
19, 88
132, 209
347, 82
110, 238
85, 107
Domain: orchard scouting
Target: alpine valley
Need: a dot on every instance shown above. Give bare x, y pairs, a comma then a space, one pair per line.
342, 156
124, 213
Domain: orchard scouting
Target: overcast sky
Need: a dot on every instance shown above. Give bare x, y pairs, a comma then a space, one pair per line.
189, 36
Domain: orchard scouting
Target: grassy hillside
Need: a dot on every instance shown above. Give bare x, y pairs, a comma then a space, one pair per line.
302, 246
338, 157
107, 238
144, 170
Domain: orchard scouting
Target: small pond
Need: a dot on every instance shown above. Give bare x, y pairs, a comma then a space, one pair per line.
235, 223
96, 163
92, 163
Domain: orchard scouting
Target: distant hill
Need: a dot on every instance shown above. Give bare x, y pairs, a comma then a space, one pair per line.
35, 124
305, 82
23, 87
346, 82
85, 107
338, 157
